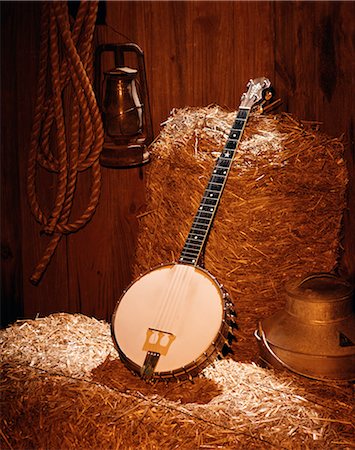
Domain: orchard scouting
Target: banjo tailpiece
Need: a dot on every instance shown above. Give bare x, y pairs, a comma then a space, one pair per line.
149, 365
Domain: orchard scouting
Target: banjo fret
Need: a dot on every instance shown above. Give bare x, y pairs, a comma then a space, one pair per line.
213, 192
203, 220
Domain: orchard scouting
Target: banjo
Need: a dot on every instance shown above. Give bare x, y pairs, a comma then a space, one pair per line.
175, 319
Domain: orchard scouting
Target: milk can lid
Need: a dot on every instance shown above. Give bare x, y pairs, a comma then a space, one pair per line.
319, 286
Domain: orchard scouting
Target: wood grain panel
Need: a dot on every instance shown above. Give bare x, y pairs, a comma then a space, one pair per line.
313, 53
196, 53
162, 32
11, 268
52, 293
101, 254
215, 68
336, 80
253, 42
314, 75
22, 40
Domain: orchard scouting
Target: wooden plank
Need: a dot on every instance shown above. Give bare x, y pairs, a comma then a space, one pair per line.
100, 254
196, 53
336, 68
11, 270
52, 292
215, 72
20, 238
161, 30
296, 60
314, 75
253, 43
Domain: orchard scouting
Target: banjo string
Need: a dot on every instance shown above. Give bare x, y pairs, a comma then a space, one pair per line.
177, 292
174, 298
180, 297
163, 311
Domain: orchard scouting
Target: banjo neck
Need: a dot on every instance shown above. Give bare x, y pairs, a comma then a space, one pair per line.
203, 219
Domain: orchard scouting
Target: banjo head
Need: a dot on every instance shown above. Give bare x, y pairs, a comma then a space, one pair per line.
171, 322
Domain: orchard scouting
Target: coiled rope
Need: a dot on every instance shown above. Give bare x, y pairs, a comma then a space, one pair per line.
74, 132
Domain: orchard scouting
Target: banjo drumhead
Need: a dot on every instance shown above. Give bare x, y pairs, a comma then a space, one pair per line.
177, 306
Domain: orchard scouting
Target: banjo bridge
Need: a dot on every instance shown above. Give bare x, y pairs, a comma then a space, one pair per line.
158, 341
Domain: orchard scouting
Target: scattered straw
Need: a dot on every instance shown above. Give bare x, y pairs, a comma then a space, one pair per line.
231, 405
69, 344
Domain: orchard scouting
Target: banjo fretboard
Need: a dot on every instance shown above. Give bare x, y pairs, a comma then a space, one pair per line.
203, 219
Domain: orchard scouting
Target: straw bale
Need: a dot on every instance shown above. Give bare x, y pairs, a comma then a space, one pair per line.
230, 405
280, 215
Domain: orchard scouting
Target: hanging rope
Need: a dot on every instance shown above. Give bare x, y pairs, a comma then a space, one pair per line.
66, 140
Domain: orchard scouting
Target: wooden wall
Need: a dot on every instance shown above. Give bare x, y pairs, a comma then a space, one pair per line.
196, 53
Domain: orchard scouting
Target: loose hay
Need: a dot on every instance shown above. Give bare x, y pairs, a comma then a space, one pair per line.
280, 215
69, 344
108, 408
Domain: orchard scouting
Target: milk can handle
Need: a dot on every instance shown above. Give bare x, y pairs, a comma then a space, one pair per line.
317, 275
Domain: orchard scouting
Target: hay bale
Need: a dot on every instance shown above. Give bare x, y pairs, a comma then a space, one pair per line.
279, 217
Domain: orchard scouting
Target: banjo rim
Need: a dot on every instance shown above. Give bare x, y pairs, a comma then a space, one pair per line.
215, 348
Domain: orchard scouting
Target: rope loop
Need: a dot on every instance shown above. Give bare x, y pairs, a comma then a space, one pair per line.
67, 131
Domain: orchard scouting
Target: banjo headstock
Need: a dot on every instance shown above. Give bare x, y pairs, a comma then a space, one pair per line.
258, 90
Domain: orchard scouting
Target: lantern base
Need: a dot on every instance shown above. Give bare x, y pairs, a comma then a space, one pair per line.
124, 156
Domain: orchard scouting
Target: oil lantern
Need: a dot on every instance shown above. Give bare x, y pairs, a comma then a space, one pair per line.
123, 99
